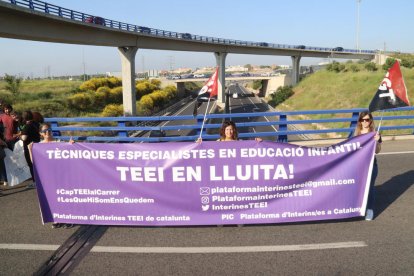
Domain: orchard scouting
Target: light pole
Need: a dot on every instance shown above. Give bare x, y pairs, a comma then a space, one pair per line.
357, 26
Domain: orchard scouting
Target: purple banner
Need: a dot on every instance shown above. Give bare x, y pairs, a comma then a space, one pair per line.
181, 183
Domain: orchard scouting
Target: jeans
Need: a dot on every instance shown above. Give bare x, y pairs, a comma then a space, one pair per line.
371, 194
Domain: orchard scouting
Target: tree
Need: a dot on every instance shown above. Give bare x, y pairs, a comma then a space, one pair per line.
13, 83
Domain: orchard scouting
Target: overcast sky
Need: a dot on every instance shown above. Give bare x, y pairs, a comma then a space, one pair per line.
324, 23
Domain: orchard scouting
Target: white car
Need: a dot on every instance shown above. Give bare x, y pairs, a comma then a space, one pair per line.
235, 95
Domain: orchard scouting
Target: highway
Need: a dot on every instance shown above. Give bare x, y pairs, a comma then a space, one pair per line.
384, 246
244, 102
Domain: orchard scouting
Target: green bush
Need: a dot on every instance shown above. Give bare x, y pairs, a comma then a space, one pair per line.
335, 67
115, 95
113, 110
102, 96
371, 66
95, 83
257, 84
407, 63
354, 68
145, 106
81, 101
281, 94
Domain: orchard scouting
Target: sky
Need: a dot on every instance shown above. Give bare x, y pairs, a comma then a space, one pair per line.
323, 23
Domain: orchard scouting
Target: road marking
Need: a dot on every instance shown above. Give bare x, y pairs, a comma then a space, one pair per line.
264, 116
395, 152
192, 250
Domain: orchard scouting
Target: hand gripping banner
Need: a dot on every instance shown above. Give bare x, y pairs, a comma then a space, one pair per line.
208, 183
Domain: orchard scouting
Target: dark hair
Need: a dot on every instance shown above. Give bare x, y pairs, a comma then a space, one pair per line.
37, 117
27, 116
359, 125
223, 130
8, 106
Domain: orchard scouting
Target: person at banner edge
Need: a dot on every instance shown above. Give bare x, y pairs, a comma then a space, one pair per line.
392, 92
366, 125
30, 134
46, 135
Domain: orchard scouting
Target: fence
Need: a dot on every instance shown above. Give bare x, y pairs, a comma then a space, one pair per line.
132, 129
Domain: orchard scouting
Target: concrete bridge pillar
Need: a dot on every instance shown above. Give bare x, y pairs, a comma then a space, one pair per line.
221, 63
295, 69
263, 89
129, 97
180, 89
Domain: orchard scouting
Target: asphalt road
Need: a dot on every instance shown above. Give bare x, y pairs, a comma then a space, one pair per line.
384, 246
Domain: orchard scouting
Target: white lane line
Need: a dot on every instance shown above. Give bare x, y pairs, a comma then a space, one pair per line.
395, 152
263, 116
25, 246
192, 250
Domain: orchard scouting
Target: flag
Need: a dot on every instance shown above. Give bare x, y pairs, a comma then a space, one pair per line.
208, 91
392, 92
210, 88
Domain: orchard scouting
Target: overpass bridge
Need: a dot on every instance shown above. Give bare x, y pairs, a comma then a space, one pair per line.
41, 21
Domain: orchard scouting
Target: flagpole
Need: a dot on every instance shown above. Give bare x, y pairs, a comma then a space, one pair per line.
379, 126
204, 118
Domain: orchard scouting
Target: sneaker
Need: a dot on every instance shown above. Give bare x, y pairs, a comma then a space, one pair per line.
5, 183
369, 215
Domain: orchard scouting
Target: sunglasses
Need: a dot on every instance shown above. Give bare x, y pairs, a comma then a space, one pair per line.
46, 130
365, 120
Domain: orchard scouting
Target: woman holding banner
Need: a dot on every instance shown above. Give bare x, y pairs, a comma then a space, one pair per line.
47, 137
228, 132
365, 125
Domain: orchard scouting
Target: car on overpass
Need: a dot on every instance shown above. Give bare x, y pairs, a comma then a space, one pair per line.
144, 30
95, 20
337, 49
186, 36
300, 47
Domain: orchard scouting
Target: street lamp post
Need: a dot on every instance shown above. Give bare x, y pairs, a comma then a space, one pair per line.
357, 26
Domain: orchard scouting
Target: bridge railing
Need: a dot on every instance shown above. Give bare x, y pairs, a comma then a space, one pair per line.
79, 16
127, 129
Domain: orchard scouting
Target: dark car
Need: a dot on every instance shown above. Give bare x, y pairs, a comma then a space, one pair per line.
338, 49
156, 133
186, 36
300, 47
264, 44
145, 30
95, 20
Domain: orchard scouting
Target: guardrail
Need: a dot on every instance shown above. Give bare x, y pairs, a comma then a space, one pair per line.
47, 8
124, 127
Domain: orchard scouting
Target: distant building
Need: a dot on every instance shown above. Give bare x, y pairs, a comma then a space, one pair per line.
153, 73
114, 74
236, 68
